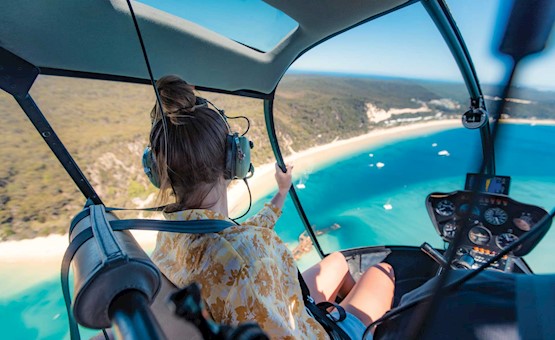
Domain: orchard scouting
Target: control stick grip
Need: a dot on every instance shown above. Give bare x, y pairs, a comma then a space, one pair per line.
434, 254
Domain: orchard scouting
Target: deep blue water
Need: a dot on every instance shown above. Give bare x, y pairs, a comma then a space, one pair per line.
352, 192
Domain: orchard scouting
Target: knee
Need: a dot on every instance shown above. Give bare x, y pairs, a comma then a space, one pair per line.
386, 266
337, 259
387, 269
337, 255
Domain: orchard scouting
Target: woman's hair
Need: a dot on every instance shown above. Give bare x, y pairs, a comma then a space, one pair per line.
190, 156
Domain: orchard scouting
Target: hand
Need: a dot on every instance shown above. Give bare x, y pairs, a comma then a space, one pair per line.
283, 179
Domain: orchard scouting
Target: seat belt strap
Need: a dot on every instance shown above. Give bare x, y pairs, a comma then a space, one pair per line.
320, 313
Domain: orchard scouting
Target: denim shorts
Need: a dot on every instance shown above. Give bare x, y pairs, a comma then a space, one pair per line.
352, 326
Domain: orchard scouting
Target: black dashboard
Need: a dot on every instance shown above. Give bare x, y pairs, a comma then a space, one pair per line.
489, 222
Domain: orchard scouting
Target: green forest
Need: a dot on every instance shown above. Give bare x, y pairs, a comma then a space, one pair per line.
105, 127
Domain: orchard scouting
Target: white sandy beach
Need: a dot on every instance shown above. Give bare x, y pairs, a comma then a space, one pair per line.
38, 259
532, 122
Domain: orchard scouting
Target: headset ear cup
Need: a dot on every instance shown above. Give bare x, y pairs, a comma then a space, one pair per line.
238, 157
243, 163
229, 171
149, 167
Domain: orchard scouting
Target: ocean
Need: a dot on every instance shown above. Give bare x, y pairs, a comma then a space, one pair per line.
376, 197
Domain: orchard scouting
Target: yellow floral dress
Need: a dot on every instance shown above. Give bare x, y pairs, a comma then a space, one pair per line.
246, 273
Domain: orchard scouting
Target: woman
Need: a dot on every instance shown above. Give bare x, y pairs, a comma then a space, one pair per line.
246, 273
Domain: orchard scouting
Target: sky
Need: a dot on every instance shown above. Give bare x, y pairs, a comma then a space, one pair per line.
402, 44
407, 44
234, 19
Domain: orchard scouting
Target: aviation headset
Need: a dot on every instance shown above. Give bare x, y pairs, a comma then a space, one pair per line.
237, 153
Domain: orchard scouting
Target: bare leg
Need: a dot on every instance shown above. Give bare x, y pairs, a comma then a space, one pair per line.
372, 295
329, 277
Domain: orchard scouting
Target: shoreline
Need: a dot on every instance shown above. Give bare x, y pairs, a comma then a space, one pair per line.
40, 258
314, 158
533, 122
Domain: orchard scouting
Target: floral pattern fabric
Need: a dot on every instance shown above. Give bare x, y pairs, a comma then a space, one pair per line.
246, 273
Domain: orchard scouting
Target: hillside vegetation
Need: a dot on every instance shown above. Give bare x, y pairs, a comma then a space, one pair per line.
105, 127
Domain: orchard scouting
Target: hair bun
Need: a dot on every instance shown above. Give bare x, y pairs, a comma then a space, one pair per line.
185, 110
178, 99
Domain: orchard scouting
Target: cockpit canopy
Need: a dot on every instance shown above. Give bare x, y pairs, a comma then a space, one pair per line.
92, 37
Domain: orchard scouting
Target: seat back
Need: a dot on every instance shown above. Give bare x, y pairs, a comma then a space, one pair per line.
109, 262
173, 326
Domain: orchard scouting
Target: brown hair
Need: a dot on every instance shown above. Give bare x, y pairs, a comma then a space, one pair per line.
196, 138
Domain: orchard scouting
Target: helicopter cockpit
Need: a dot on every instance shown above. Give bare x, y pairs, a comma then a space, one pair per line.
488, 239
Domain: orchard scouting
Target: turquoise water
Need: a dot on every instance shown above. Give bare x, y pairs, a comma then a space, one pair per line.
352, 193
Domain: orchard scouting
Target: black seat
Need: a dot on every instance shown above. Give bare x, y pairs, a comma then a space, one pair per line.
483, 308
173, 327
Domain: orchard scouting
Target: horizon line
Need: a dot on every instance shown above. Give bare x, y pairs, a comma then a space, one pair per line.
373, 75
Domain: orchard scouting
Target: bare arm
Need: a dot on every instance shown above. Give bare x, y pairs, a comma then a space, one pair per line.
283, 180
268, 216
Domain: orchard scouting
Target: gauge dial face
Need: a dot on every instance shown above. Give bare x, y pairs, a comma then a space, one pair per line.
479, 235
505, 239
496, 216
449, 230
524, 222
445, 208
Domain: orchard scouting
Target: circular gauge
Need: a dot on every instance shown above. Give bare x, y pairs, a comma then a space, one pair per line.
445, 208
466, 207
496, 216
479, 235
523, 222
505, 239
449, 230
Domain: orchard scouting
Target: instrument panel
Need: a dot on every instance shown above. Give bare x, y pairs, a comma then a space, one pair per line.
489, 223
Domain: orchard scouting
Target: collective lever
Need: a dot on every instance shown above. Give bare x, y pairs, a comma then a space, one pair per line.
434, 254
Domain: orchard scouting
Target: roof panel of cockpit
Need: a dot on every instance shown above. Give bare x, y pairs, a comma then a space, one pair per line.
98, 37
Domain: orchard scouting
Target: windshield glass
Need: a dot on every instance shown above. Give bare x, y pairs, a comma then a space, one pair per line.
105, 126
370, 146
524, 148
249, 22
